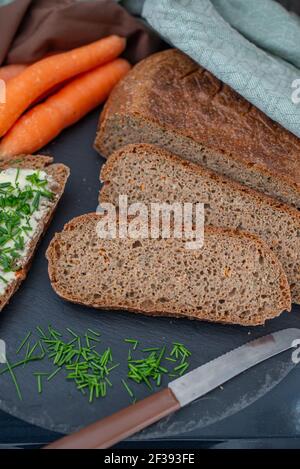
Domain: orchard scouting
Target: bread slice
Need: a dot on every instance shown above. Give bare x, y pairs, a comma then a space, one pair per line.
235, 278
169, 100
59, 174
146, 173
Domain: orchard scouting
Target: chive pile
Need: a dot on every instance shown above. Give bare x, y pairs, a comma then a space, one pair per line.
149, 369
21, 195
89, 369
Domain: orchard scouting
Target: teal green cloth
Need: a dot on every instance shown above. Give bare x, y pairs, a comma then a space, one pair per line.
252, 45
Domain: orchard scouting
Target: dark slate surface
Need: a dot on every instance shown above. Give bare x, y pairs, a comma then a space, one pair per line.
263, 406
250, 406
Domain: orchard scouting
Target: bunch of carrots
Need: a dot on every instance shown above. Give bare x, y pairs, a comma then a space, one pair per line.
44, 98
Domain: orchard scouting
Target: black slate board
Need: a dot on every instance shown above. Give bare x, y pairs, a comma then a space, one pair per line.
63, 409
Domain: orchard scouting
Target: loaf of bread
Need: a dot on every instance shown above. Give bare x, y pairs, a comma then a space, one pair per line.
169, 100
146, 173
235, 278
57, 175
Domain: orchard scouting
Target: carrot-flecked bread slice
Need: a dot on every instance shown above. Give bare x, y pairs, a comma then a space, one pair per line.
169, 100
146, 173
235, 278
30, 189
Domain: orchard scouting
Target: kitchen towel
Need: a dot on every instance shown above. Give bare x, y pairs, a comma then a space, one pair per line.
30, 29
252, 45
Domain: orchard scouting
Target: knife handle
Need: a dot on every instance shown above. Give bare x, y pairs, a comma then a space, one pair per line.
110, 430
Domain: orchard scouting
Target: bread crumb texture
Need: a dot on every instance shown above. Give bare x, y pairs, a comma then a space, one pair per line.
234, 279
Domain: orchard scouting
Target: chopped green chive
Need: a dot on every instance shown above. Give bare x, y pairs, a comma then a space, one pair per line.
54, 373
27, 352
17, 206
133, 342
89, 370
179, 367
87, 341
16, 365
113, 367
55, 334
72, 332
39, 383
40, 330
127, 388
153, 349
183, 370
95, 339
13, 377
108, 382
17, 175
32, 350
42, 348
3, 280
94, 333
23, 342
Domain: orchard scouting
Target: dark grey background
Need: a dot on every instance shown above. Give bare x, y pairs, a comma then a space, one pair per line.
293, 5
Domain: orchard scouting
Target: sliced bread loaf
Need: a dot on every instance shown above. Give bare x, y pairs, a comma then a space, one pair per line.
34, 187
235, 278
169, 100
146, 173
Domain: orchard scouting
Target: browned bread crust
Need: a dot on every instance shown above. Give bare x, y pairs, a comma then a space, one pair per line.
169, 100
60, 174
147, 173
111, 274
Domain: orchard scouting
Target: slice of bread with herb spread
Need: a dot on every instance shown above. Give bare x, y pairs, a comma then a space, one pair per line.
235, 278
30, 188
169, 100
146, 173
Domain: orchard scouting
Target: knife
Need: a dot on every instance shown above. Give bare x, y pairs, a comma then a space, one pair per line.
179, 393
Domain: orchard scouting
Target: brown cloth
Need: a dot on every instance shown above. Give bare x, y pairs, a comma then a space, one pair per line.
31, 29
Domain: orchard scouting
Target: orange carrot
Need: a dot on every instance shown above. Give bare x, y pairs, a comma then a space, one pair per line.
45, 121
24, 89
49, 92
11, 71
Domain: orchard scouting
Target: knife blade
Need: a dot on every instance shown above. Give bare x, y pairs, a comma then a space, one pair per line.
180, 392
207, 377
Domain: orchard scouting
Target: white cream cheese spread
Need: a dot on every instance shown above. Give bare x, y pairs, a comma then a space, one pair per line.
25, 199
